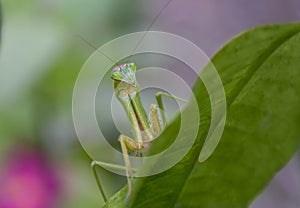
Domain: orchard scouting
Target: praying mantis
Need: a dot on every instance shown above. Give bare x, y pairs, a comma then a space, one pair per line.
145, 128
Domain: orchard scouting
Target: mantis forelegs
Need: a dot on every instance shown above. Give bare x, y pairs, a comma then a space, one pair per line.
158, 97
155, 123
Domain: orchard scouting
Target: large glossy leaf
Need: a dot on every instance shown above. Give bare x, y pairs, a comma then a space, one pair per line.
261, 75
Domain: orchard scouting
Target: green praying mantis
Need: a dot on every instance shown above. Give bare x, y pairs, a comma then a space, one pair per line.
145, 127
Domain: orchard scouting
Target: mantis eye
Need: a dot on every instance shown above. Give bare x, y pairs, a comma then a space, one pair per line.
132, 66
116, 75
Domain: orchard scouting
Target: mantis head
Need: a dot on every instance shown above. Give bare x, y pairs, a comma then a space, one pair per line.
124, 79
125, 73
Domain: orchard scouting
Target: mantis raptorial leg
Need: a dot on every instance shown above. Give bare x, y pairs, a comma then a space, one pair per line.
145, 128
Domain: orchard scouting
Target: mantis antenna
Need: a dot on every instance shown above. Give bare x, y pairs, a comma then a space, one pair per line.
137, 45
149, 27
92, 46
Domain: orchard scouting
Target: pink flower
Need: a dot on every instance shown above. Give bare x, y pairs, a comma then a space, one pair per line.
27, 181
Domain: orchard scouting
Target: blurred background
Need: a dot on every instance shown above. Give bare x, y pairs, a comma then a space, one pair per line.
42, 163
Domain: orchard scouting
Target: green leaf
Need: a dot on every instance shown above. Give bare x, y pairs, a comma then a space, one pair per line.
261, 75
259, 70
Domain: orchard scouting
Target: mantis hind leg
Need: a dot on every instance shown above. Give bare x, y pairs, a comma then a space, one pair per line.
126, 143
104, 165
94, 164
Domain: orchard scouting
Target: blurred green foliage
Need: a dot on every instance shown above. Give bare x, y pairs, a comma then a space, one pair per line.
39, 62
